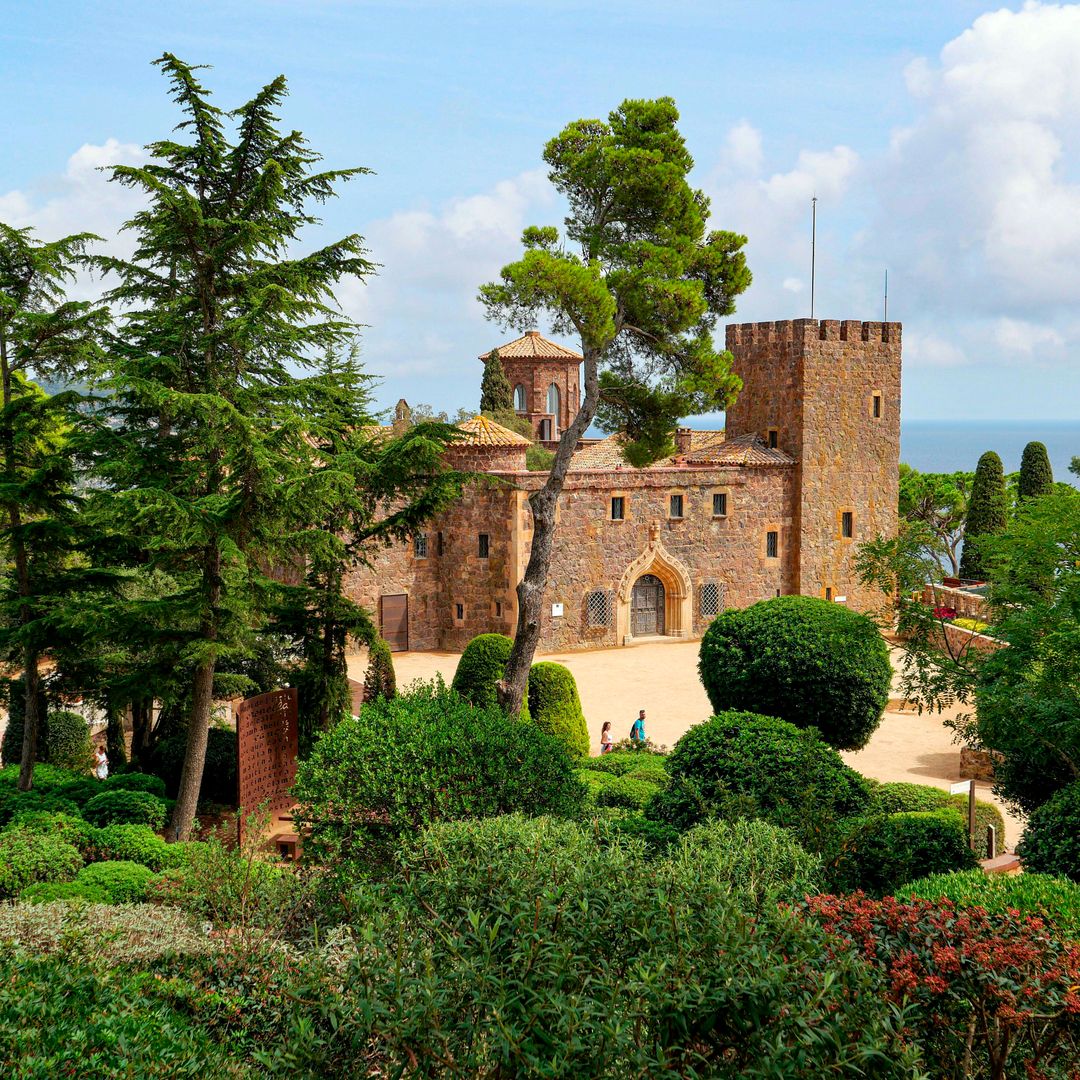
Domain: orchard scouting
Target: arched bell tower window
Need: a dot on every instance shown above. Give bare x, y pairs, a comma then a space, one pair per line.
520, 403
553, 401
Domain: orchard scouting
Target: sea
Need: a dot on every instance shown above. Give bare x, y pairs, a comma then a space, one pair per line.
956, 445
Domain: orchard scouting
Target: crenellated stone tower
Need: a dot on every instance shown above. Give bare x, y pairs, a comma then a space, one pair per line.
828, 393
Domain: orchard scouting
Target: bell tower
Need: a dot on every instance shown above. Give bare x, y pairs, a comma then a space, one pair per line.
546, 382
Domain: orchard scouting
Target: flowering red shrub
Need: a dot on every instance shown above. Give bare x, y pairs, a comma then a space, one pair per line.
944, 613
995, 995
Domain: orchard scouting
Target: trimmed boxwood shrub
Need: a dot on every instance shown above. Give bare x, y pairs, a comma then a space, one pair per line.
744, 765
619, 762
69, 827
135, 781
121, 807
594, 782
480, 666
628, 792
166, 760
79, 791
657, 836
27, 857
67, 741
1051, 841
1056, 900
135, 843
807, 661
653, 770
896, 797
46, 892
555, 706
881, 854
421, 757
123, 882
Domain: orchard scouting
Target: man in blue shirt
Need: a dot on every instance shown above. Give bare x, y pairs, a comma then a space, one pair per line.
637, 731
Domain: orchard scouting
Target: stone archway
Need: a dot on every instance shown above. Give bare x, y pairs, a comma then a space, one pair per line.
674, 587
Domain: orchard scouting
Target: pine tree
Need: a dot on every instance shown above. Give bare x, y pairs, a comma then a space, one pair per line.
379, 680
987, 513
44, 334
1036, 475
205, 420
496, 393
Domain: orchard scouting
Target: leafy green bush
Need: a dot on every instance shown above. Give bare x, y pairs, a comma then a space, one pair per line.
1054, 899
623, 761
11, 750
627, 791
745, 765
47, 778
68, 827
555, 706
480, 666
424, 756
166, 760
1051, 841
654, 770
123, 882
14, 802
122, 807
67, 741
896, 797
379, 679
881, 854
657, 836
79, 791
47, 892
27, 857
136, 843
135, 781
807, 661
529, 928
594, 782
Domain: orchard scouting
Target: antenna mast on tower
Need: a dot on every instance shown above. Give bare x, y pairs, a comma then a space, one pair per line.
886, 316
813, 251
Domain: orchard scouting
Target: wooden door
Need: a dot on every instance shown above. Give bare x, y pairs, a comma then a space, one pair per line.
394, 621
647, 606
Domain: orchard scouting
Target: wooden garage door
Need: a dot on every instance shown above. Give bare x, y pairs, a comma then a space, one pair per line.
394, 620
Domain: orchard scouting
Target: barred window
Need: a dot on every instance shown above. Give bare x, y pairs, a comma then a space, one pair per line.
719, 504
598, 607
772, 545
618, 508
712, 599
484, 546
419, 543
676, 506
847, 524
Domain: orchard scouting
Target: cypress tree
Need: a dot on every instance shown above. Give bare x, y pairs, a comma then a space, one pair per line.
496, 393
1036, 475
987, 513
380, 681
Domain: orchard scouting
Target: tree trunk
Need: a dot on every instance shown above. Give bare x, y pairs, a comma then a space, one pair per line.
31, 719
531, 588
140, 728
115, 743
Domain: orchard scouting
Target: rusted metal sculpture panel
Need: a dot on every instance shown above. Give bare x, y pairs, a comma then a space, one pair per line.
266, 728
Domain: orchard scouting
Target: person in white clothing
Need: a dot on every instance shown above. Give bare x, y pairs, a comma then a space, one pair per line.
101, 763
606, 742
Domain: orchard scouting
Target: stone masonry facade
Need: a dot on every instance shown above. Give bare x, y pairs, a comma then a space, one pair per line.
776, 505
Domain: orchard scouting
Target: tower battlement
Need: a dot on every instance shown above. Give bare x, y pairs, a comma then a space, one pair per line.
803, 330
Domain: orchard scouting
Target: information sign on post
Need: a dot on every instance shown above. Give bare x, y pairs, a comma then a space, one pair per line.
958, 789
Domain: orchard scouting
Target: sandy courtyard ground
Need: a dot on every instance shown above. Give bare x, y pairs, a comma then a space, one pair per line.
661, 678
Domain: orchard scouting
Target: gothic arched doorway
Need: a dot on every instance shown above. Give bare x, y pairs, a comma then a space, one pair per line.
647, 606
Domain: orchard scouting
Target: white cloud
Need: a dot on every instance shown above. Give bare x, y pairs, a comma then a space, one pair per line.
743, 149
931, 351
794, 284
1026, 339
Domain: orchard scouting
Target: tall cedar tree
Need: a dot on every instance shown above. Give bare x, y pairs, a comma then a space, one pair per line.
206, 410
1036, 475
939, 501
43, 334
643, 296
363, 490
987, 513
496, 393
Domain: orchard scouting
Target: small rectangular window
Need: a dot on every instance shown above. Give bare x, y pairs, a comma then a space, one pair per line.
772, 544
598, 608
498, 609
774, 437
618, 508
419, 544
847, 524
711, 599
877, 406
676, 506
484, 546
719, 504
459, 612
828, 593
438, 543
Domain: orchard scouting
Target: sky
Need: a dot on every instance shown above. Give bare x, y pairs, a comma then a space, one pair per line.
942, 141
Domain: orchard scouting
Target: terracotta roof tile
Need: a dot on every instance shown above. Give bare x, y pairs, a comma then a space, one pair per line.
741, 450
605, 454
534, 347
480, 431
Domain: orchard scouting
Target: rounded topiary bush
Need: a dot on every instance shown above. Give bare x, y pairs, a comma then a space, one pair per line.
739, 764
422, 757
594, 782
27, 857
122, 807
47, 892
626, 791
133, 843
135, 781
898, 797
69, 827
619, 762
67, 741
555, 706
807, 661
122, 882
166, 760
480, 667
1051, 841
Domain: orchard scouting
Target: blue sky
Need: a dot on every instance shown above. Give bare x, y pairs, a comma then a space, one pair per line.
942, 140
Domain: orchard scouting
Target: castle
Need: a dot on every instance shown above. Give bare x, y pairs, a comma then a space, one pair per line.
774, 505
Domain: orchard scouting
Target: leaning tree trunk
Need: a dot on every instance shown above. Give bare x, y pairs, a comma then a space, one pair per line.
31, 719
531, 588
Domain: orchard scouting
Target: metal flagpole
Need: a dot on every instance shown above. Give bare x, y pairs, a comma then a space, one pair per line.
813, 251
886, 316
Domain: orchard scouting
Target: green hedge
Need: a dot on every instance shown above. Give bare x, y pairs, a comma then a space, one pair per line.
481, 665
896, 797
807, 661
136, 843
619, 762
1051, 841
123, 807
555, 706
136, 781
71, 828
122, 881
67, 741
48, 892
628, 792
27, 857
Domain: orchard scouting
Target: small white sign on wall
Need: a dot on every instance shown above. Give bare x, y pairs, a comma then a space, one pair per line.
556, 611
960, 788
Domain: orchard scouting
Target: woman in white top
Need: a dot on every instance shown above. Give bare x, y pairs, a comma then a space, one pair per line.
605, 737
101, 763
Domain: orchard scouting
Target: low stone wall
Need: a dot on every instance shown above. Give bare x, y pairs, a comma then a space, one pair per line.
977, 764
962, 641
966, 604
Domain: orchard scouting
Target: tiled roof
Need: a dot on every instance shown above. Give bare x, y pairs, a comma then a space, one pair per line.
480, 431
741, 450
533, 347
605, 454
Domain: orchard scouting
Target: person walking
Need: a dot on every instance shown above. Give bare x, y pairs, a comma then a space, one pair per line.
606, 742
637, 730
101, 763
